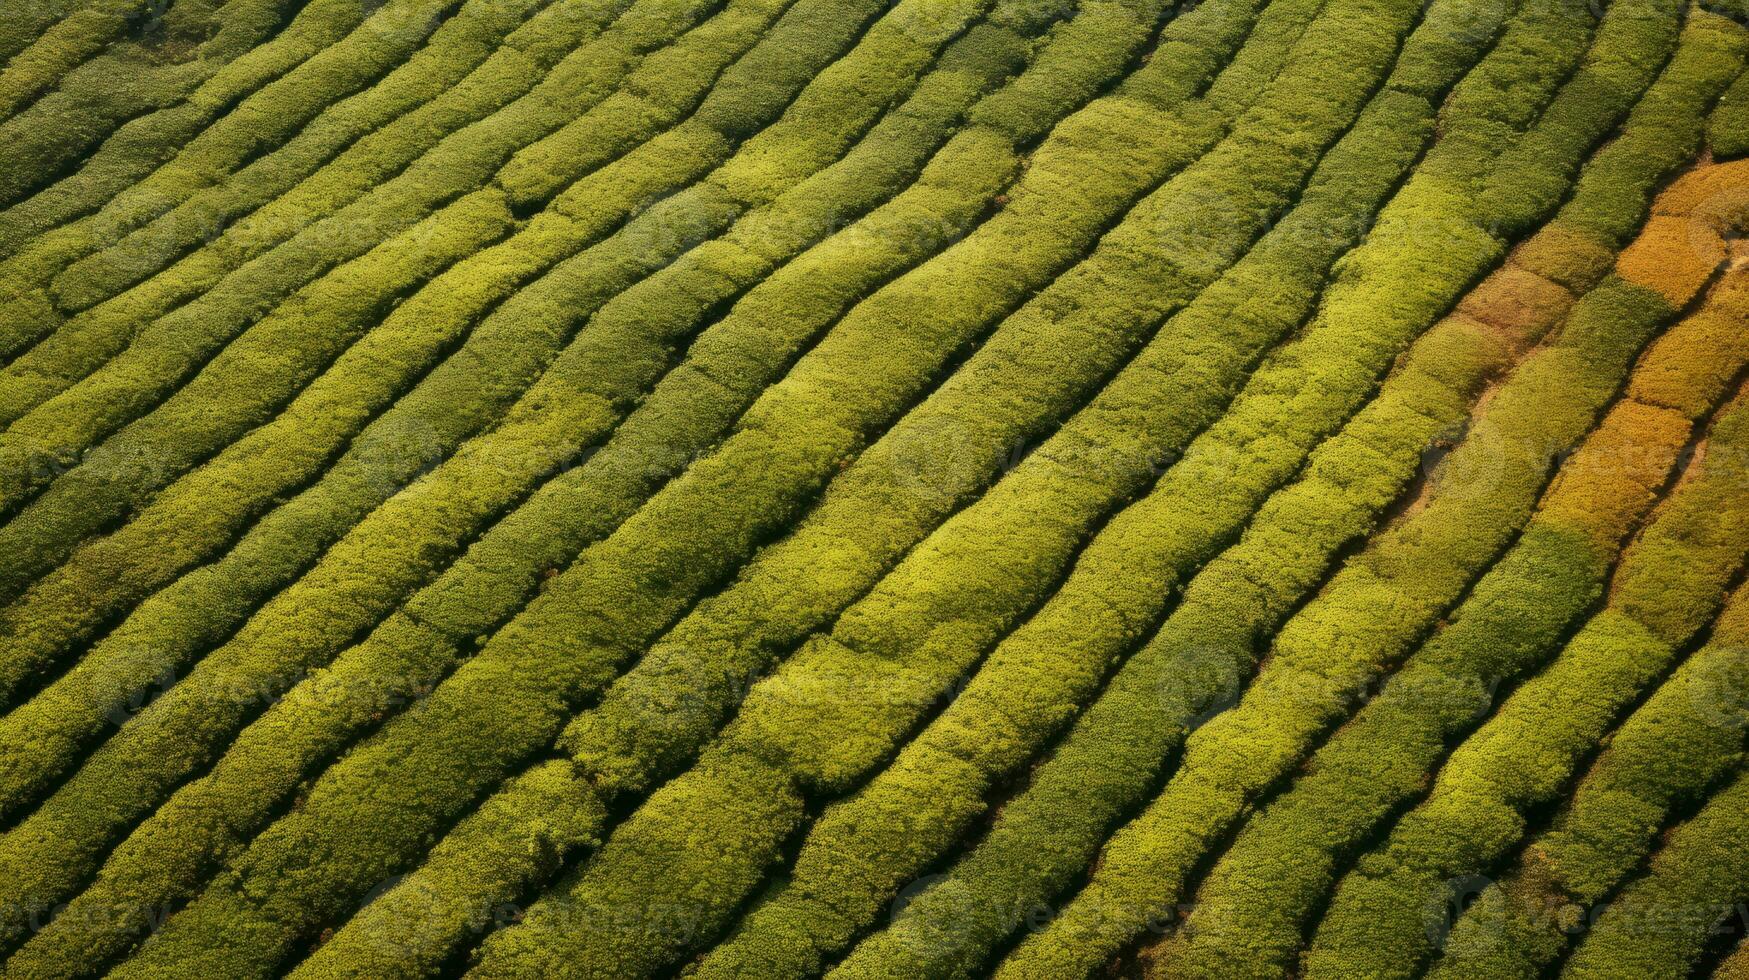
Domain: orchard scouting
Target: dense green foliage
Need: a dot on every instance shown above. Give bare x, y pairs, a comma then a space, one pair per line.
881, 488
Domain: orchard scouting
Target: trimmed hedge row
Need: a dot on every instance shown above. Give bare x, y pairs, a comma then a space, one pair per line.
926, 622
205, 140
1327, 651
1374, 610
453, 894
960, 930
626, 588
172, 56
466, 71
23, 22
913, 592
744, 629
1688, 737
499, 89
93, 395
905, 944
347, 592
200, 515
1728, 131
473, 388
259, 150
1608, 207
198, 195
255, 375
534, 441
1667, 587
1037, 675
865, 849
1374, 763
1685, 371
1381, 759
1378, 605
882, 496
66, 43
138, 146
1515, 616
1663, 923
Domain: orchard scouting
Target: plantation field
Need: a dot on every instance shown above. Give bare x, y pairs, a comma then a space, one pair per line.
874, 488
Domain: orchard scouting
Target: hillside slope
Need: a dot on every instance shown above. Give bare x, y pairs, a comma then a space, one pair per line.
874, 488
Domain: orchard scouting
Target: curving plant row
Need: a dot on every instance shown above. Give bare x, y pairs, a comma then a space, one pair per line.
25, 23
585, 363
201, 193
1520, 609
793, 571
138, 146
864, 849
1516, 613
1663, 924
442, 407
226, 216
291, 630
65, 101
639, 451
487, 669
927, 620
1604, 315
1686, 739
249, 381
925, 488
69, 39
1728, 131
534, 425
213, 295
90, 392
295, 446
1669, 582
958, 897
389, 66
